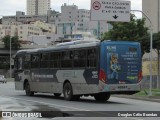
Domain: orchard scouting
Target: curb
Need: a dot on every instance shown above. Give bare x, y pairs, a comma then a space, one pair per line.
149, 98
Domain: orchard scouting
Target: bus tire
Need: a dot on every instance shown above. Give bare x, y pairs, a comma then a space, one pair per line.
57, 94
68, 92
102, 97
27, 90
76, 97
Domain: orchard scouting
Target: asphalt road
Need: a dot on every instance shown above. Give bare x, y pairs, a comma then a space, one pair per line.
86, 106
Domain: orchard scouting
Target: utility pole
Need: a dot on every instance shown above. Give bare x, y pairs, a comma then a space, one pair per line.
10, 57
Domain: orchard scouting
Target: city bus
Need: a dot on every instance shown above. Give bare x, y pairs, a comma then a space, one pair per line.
80, 68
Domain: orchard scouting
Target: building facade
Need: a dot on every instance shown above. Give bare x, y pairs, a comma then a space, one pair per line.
71, 19
51, 17
8, 30
152, 9
38, 7
74, 19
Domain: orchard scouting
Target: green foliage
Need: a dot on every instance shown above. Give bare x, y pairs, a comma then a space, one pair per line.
15, 43
156, 41
145, 92
4, 62
134, 30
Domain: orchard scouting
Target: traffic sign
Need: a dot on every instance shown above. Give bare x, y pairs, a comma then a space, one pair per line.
110, 10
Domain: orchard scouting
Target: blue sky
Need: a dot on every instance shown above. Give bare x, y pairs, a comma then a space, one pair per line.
9, 7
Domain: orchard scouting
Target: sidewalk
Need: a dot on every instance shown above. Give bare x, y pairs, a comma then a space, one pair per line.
145, 98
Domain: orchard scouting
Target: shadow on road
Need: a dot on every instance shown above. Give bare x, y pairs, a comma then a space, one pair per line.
82, 99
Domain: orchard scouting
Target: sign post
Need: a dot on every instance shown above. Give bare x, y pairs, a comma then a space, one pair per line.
110, 10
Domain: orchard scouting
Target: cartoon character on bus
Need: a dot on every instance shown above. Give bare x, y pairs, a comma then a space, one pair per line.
115, 68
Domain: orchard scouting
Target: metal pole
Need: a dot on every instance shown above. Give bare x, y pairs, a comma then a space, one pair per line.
151, 39
98, 29
10, 57
158, 50
158, 70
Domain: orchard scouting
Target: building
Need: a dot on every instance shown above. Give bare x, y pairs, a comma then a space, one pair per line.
75, 20
152, 9
38, 7
72, 13
8, 30
24, 31
51, 17
71, 19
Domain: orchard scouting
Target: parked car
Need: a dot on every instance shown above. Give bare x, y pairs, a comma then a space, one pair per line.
3, 79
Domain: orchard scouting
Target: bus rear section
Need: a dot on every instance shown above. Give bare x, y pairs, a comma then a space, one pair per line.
120, 67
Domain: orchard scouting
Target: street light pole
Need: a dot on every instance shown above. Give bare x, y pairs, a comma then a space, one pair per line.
10, 57
151, 47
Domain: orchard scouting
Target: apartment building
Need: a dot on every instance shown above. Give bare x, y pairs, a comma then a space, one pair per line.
71, 19
24, 31
51, 17
74, 19
152, 9
8, 30
38, 7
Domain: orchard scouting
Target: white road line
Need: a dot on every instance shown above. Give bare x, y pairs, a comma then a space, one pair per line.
46, 103
132, 118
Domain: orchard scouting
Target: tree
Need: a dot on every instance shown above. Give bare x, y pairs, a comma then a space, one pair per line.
134, 30
15, 43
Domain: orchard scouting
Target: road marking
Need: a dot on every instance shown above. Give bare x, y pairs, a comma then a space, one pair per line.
47, 103
132, 118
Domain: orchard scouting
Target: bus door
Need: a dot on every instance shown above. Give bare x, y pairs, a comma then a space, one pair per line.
18, 71
120, 63
35, 64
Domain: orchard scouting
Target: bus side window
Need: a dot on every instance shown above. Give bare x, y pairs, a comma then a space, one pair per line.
79, 59
35, 61
55, 60
19, 63
45, 60
91, 57
27, 60
66, 61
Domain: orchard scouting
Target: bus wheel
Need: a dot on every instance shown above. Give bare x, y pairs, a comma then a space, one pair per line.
27, 90
57, 94
102, 97
76, 97
67, 91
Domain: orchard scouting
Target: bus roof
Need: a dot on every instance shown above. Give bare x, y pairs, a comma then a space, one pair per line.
63, 46
75, 44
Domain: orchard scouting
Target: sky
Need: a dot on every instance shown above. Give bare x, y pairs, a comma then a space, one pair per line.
9, 7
